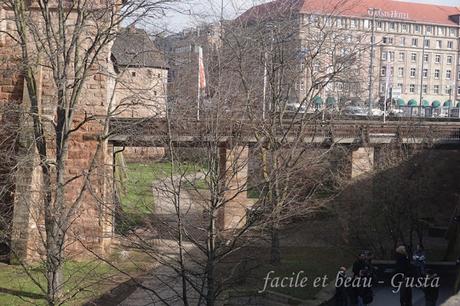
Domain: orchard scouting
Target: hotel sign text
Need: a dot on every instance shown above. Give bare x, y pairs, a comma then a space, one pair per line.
388, 14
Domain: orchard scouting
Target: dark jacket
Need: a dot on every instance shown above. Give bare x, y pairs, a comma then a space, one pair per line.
403, 265
431, 293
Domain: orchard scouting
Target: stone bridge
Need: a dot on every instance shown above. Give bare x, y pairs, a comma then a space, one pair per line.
364, 137
234, 138
154, 132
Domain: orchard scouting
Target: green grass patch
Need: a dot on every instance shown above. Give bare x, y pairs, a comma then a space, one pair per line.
136, 187
83, 281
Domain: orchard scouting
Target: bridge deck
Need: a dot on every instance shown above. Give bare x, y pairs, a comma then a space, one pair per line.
156, 132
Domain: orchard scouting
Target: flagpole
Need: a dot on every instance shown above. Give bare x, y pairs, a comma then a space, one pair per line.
387, 85
198, 85
264, 106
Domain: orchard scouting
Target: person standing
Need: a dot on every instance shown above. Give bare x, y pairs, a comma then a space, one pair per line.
431, 291
363, 271
341, 294
419, 258
404, 268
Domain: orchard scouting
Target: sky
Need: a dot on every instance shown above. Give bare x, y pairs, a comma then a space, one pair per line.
190, 12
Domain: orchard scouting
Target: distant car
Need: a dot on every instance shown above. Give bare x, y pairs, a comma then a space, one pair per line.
356, 111
294, 107
377, 112
396, 112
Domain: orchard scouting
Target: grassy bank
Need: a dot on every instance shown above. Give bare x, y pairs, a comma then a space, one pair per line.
83, 280
135, 187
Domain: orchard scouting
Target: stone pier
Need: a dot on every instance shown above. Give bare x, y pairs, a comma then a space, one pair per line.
233, 165
362, 161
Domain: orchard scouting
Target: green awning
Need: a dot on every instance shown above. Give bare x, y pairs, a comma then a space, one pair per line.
448, 103
412, 103
436, 104
425, 103
330, 101
400, 102
318, 101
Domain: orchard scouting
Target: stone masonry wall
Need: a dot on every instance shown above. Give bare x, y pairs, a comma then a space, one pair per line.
87, 157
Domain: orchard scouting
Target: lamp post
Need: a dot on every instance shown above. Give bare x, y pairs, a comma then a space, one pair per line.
371, 65
421, 76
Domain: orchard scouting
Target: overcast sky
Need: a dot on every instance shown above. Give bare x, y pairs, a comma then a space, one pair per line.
195, 10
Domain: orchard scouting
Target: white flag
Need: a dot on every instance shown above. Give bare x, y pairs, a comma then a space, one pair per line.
201, 72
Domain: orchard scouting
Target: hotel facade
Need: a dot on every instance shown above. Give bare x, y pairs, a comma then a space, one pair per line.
415, 53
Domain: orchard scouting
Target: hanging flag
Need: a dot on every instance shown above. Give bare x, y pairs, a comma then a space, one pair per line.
201, 72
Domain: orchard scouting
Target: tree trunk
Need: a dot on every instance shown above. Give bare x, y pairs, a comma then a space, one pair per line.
54, 271
275, 252
210, 278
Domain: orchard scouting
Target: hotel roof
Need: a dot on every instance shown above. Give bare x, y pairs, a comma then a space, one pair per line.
388, 9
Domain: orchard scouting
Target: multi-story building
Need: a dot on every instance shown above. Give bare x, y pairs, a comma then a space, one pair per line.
141, 75
181, 50
416, 47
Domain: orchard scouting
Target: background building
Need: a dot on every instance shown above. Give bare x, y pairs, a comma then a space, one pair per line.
142, 75
416, 50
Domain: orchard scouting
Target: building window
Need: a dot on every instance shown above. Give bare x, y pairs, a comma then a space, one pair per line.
414, 42
448, 74
404, 27
133, 74
391, 56
450, 44
402, 41
412, 88
400, 72
384, 56
437, 59
436, 89
413, 71
387, 40
425, 73
452, 32
429, 29
413, 56
427, 43
316, 68
439, 44
458, 90
401, 56
425, 89
458, 76
437, 73
154, 92
383, 71
400, 85
417, 28
449, 60
426, 58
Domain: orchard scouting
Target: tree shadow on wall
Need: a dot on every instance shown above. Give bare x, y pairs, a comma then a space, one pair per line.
410, 193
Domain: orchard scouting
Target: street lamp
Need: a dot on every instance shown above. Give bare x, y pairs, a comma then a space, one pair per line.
371, 65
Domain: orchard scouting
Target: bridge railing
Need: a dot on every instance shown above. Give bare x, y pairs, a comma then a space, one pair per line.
251, 131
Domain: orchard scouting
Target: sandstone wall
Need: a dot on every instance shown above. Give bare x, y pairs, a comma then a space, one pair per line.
88, 158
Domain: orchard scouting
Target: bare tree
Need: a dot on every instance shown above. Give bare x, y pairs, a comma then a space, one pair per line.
254, 92
63, 49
